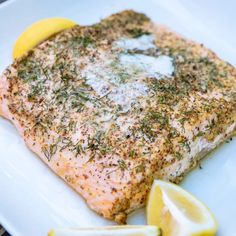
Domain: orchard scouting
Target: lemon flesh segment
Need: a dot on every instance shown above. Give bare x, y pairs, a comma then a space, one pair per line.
177, 212
108, 231
38, 32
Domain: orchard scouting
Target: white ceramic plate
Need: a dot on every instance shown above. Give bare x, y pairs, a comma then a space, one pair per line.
32, 198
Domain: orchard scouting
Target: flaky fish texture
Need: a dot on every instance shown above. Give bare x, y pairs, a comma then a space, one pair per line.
110, 107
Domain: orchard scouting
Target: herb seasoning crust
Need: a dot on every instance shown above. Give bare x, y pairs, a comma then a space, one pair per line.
110, 107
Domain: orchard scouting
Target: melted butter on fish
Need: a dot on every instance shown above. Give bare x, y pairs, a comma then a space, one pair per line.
120, 76
143, 43
99, 84
153, 66
126, 94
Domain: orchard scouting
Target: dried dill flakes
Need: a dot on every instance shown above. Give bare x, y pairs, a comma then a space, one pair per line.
82, 41
98, 144
66, 143
149, 123
46, 153
91, 158
163, 85
132, 153
206, 107
95, 141
198, 74
122, 165
74, 97
190, 112
29, 70
27, 76
137, 32
146, 128
165, 91
159, 118
183, 120
140, 168
72, 125
52, 149
78, 105
80, 95
105, 149
200, 134
77, 45
173, 133
188, 115
49, 151
211, 125
77, 147
178, 155
35, 91
185, 144
66, 126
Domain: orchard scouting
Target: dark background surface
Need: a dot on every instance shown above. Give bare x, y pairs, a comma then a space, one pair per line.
2, 231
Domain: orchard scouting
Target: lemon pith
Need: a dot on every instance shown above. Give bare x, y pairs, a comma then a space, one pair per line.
38, 32
177, 212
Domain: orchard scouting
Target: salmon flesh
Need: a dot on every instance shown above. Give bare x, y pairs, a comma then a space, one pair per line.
112, 106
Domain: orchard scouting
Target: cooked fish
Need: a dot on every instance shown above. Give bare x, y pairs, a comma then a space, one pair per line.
110, 107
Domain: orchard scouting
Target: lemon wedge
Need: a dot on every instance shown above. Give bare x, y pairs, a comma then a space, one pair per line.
38, 32
177, 212
126, 230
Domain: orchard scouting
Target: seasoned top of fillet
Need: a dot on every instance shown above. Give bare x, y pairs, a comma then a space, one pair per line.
109, 106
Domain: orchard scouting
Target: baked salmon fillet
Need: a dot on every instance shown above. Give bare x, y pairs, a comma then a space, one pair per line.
110, 107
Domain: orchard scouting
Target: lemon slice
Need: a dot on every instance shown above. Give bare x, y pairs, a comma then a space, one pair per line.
38, 32
177, 212
127, 230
